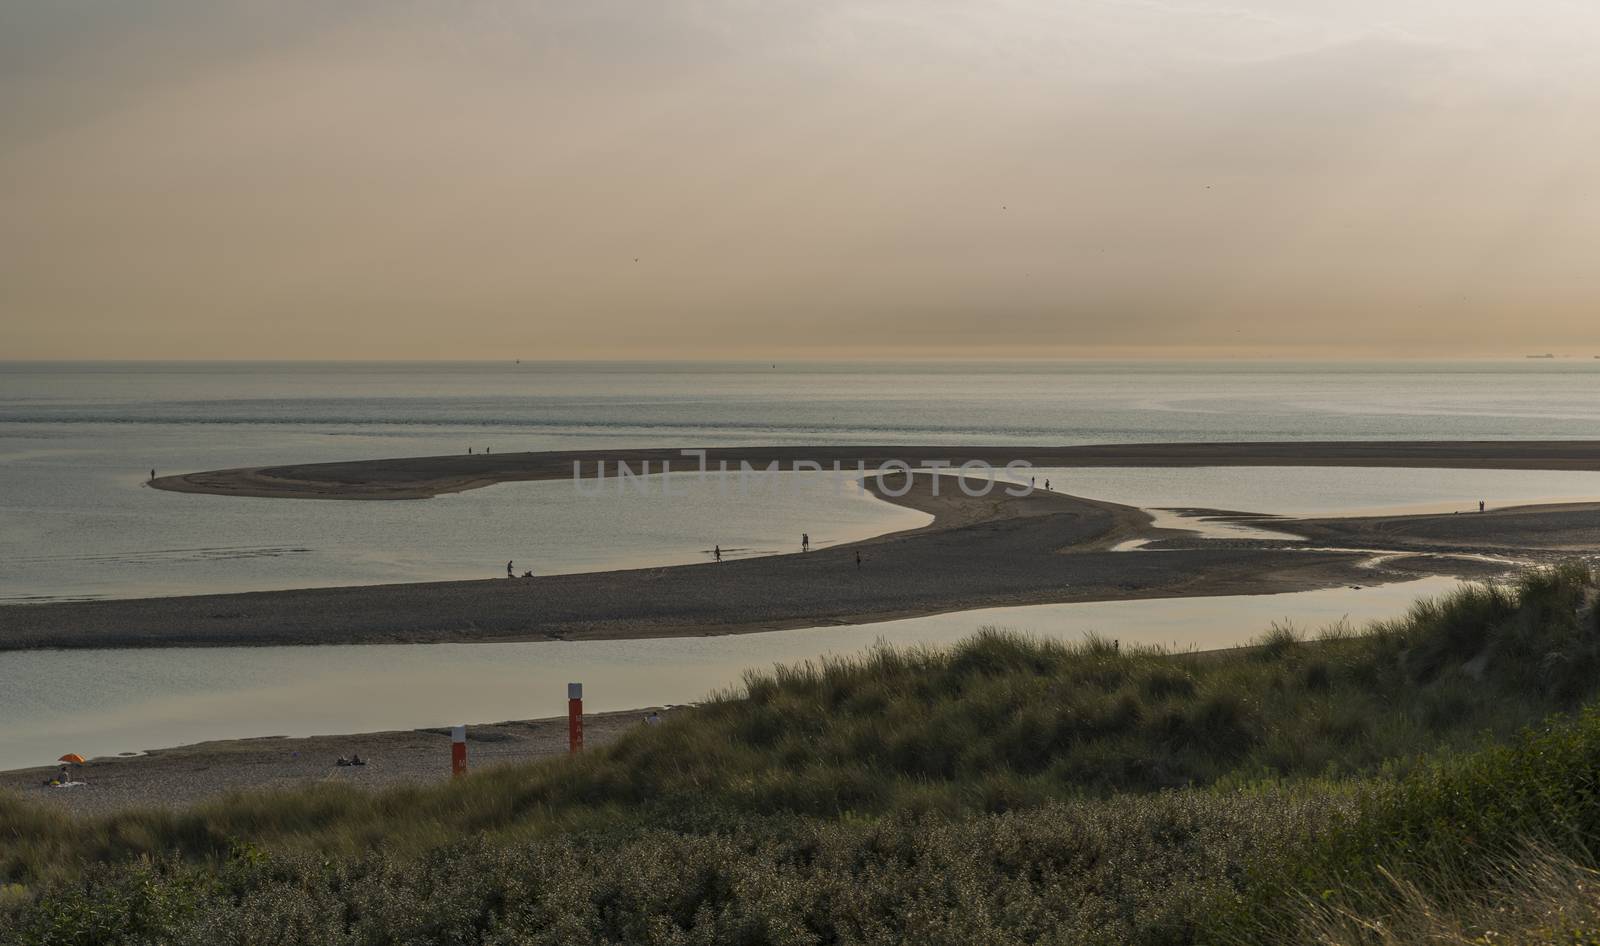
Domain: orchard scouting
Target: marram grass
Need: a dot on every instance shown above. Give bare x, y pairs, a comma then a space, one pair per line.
1007, 789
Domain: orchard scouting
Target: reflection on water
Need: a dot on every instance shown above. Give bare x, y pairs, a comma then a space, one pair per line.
146, 542
110, 701
1213, 527
78, 440
1322, 490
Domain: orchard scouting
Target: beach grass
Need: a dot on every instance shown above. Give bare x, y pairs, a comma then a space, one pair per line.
1008, 789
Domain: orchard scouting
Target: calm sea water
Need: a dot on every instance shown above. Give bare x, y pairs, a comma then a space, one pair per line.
77, 441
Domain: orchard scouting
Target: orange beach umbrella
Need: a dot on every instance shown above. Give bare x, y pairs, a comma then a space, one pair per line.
72, 757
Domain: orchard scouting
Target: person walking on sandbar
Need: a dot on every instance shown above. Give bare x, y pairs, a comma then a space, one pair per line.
509, 572
805, 541
153, 475
716, 552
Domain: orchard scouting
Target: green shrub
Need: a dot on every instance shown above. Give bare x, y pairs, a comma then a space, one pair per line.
1007, 790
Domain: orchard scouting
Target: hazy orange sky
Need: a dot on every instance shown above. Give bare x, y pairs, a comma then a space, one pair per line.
797, 178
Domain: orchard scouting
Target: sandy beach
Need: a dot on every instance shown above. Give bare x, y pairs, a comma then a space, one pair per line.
182, 776
993, 551
422, 477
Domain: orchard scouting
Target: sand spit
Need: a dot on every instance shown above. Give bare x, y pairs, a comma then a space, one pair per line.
422, 477
979, 552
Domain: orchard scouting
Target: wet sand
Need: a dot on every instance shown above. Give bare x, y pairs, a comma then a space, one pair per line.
186, 775
994, 551
1542, 530
422, 477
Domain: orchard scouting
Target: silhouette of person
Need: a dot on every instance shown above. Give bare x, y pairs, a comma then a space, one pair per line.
805, 541
858, 558
152, 474
716, 552
509, 572
1480, 505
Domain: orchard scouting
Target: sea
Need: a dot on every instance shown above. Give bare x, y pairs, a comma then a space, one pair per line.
77, 520
78, 441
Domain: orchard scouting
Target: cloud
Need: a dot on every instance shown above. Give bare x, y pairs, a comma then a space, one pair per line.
724, 177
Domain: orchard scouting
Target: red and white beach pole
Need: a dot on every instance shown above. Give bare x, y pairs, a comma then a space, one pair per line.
458, 751
574, 717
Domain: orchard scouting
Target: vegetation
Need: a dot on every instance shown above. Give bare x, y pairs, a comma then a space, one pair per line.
1347, 789
1535, 898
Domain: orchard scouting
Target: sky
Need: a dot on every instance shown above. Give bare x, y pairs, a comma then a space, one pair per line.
798, 178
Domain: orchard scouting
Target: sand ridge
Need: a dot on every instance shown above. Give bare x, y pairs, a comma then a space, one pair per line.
979, 552
423, 477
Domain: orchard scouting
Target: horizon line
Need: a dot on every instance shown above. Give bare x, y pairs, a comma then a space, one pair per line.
748, 360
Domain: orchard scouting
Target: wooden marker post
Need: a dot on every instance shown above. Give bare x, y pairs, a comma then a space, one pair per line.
458, 751
574, 717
